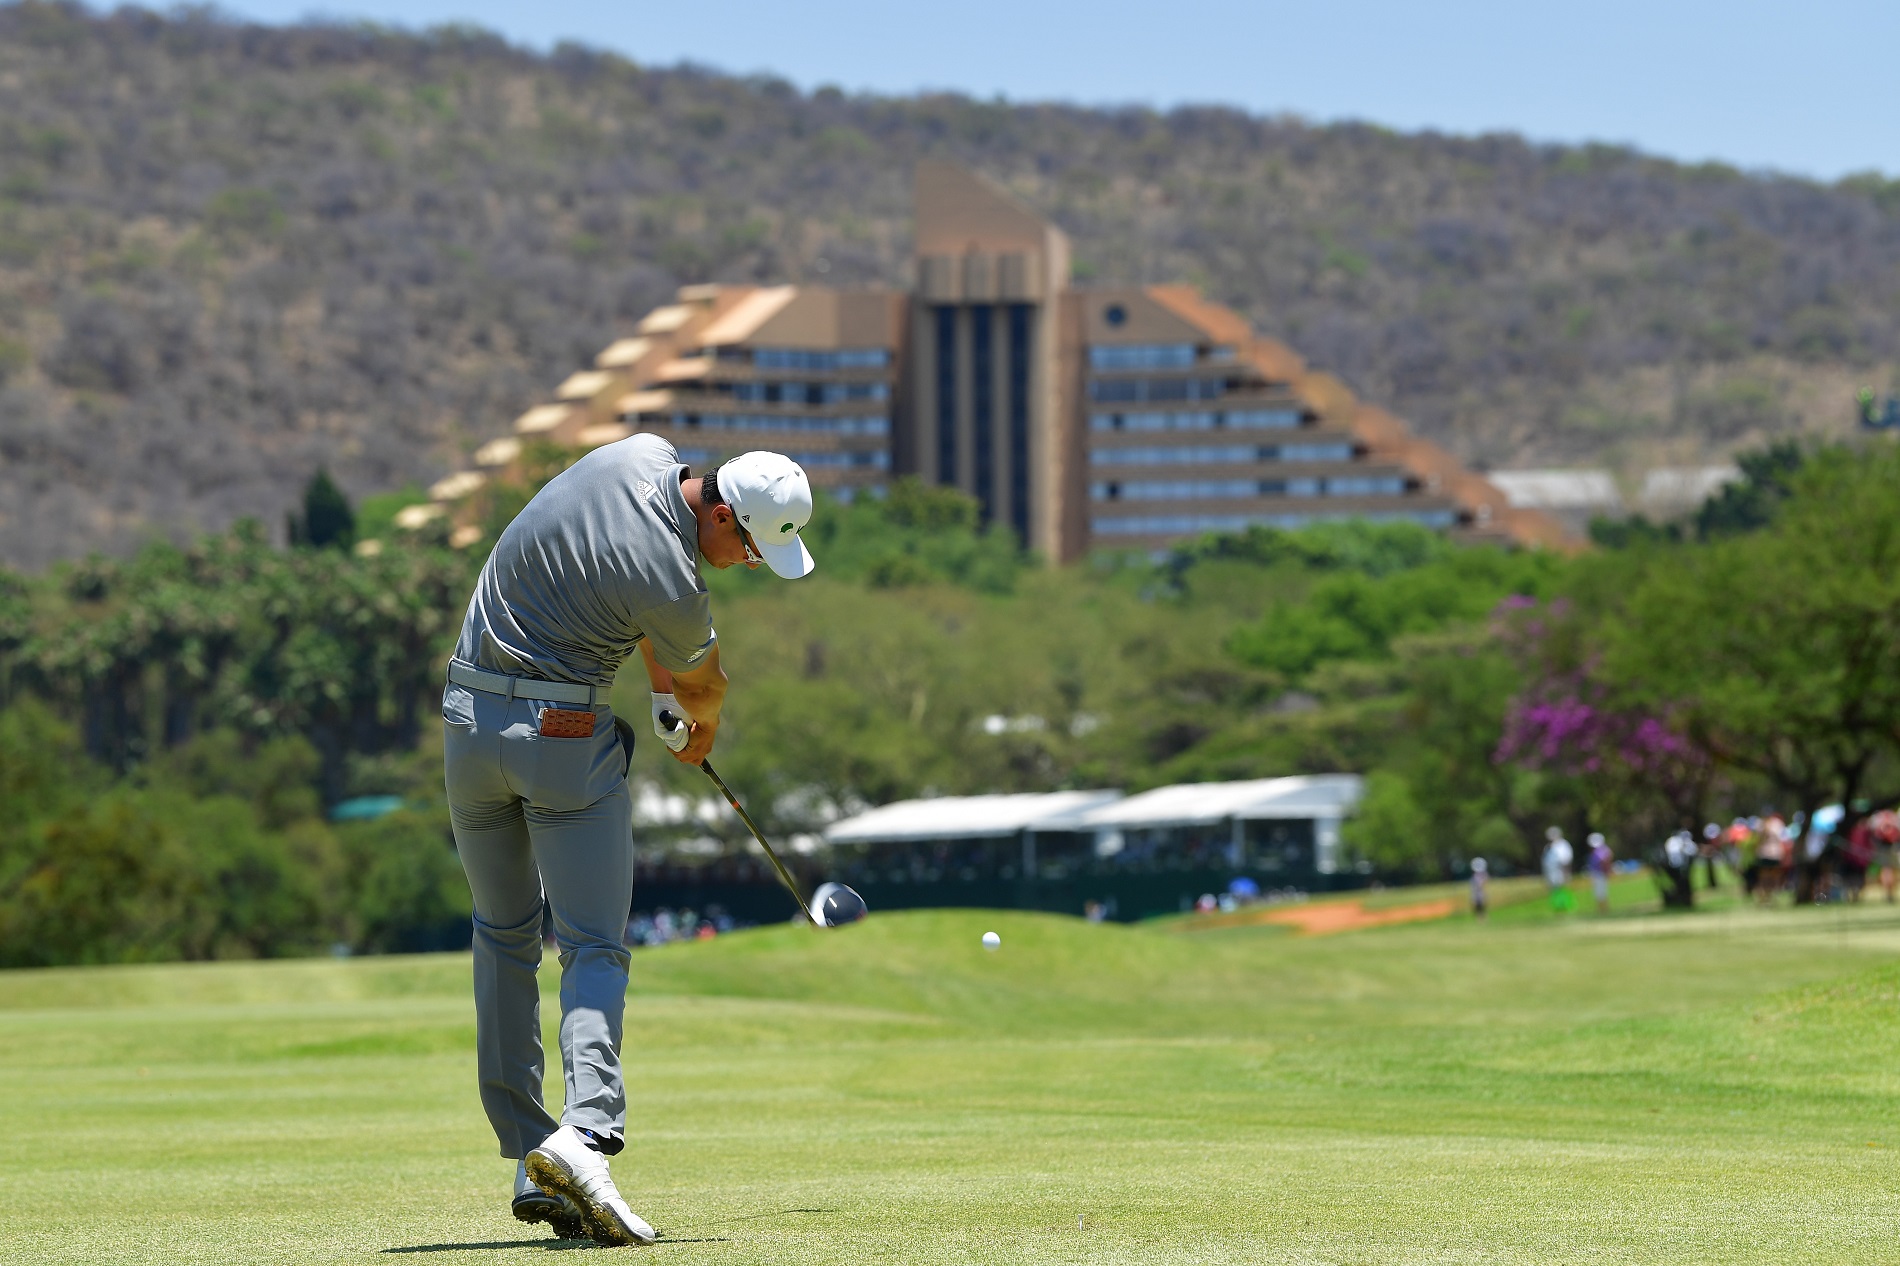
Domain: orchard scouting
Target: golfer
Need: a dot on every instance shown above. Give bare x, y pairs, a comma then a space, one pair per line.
606, 558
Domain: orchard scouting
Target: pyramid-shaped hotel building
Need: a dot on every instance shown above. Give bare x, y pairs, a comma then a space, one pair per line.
1085, 418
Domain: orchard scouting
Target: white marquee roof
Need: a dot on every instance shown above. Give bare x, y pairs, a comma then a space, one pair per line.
969, 817
1187, 804
1201, 803
1685, 485
1557, 489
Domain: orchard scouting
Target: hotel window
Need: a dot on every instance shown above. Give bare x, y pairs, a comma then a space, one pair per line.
1154, 421
1262, 419
1365, 485
1198, 420
819, 361
870, 425
946, 395
1133, 390
1182, 455
808, 392
1143, 356
982, 391
1165, 524
1174, 524
877, 460
1315, 452
1019, 349
1176, 489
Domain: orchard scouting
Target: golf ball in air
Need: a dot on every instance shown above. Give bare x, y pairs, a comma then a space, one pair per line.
991, 940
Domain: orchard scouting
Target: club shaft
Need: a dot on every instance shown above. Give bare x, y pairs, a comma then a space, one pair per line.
673, 722
785, 876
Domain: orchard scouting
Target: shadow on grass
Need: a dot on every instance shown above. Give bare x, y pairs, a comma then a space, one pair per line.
552, 1246
754, 1217
555, 1246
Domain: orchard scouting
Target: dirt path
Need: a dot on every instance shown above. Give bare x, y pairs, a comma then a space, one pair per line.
1329, 917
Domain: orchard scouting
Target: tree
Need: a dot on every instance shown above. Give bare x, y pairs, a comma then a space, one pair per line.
327, 520
1638, 775
1356, 614
1628, 533
1750, 503
1777, 652
1443, 740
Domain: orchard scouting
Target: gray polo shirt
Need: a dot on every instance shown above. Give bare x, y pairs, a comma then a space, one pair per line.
606, 554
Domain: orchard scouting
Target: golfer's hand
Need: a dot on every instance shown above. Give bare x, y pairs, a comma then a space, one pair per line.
699, 743
675, 738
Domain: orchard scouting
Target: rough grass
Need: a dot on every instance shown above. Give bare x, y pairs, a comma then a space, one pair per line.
1706, 1088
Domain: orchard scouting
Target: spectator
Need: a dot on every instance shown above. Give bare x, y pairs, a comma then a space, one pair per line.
1480, 884
1856, 856
1814, 853
1886, 838
1678, 856
1558, 857
1771, 857
1738, 850
1598, 861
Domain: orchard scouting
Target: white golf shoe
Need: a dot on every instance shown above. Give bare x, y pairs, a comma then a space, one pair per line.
531, 1204
565, 1165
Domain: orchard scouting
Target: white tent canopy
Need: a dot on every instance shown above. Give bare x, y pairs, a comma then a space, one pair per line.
1558, 489
1314, 796
970, 817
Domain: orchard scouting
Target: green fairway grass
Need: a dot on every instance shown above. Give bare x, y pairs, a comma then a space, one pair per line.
1709, 1087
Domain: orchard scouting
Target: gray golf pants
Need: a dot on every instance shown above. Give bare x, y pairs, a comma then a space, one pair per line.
534, 815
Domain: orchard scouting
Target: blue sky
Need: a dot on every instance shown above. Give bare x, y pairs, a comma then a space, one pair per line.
1812, 89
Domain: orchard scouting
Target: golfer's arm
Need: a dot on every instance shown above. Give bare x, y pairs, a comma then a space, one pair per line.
702, 692
660, 680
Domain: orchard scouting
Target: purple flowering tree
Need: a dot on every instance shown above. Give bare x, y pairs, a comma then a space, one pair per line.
1640, 773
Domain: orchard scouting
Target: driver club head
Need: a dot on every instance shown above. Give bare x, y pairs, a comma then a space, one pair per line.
836, 905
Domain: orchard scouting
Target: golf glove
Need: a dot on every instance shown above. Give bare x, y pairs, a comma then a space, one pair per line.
675, 738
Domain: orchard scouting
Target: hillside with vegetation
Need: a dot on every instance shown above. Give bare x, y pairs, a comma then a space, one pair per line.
231, 255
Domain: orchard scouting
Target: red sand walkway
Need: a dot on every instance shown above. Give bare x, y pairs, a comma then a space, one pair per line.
1323, 918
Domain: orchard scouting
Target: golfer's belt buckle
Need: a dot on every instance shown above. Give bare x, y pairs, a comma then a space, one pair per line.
566, 723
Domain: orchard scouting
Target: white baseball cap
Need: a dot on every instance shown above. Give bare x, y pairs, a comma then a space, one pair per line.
772, 497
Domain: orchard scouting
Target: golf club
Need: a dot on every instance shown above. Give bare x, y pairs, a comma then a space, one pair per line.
673, 722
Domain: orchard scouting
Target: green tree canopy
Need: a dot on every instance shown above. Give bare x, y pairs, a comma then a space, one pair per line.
327, 520
1750, 503
1778, 651
1358, 614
